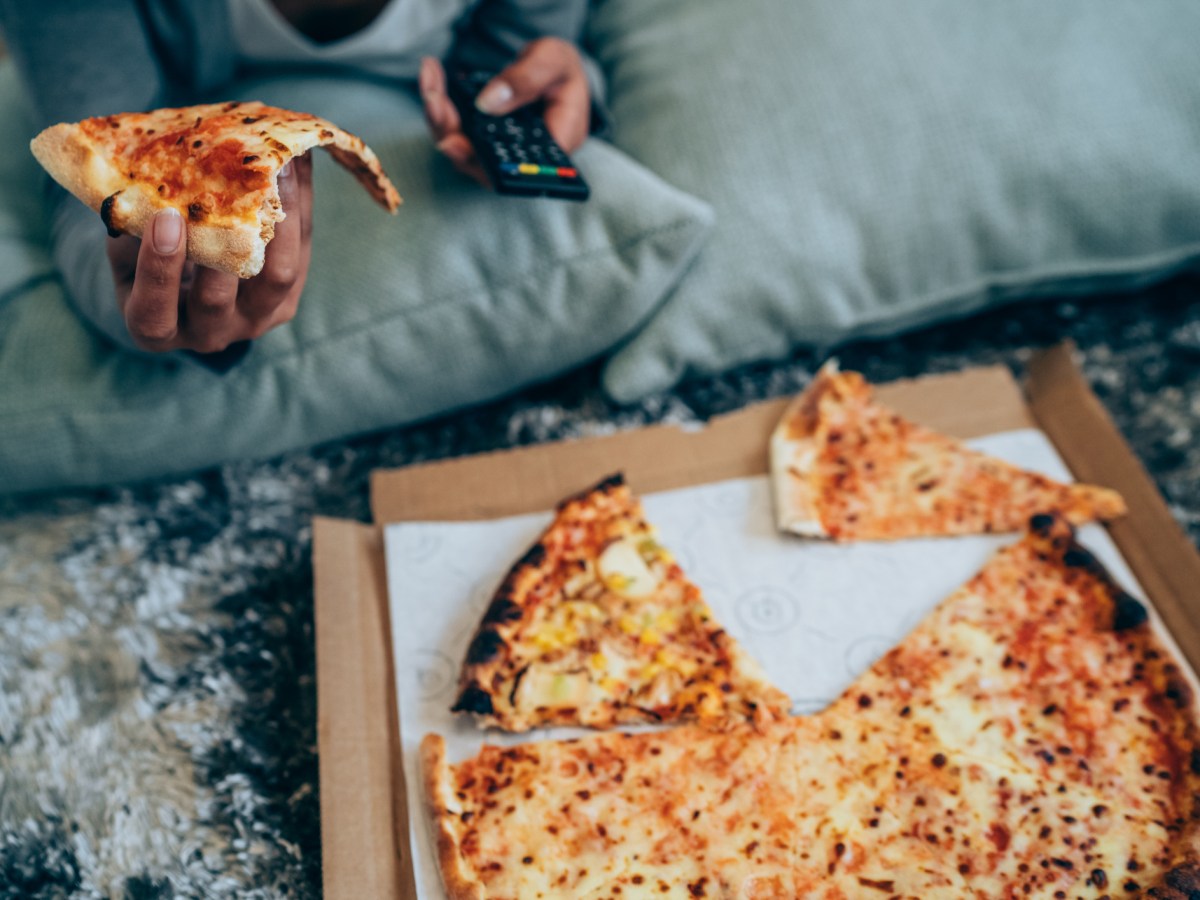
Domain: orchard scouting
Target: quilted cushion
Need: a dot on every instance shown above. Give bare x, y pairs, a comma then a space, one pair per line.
877, 166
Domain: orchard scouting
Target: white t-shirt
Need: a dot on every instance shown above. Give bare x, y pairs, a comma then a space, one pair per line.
385, 47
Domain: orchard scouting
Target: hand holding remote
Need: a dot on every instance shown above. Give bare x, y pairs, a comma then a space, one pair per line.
548, 73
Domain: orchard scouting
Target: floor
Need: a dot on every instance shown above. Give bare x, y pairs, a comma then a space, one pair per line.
157, 695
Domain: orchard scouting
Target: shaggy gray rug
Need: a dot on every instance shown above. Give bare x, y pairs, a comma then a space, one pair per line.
157, 694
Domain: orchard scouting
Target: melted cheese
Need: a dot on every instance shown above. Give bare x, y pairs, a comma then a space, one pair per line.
1013, 745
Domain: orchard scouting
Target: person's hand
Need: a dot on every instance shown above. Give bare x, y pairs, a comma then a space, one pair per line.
170, 304
548, 69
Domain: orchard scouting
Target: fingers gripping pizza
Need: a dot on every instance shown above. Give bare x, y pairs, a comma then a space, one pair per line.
597, 625
217, 164
846, 468
1033, 737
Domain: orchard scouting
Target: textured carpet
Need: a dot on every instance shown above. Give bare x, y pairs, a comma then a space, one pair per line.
157, 693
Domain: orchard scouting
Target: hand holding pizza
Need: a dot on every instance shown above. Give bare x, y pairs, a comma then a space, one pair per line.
548, 69
170, 303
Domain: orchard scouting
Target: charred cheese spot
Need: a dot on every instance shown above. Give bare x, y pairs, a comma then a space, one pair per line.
486, 647
106, 214
474, 699
1041, 523
501, 610
1128, 612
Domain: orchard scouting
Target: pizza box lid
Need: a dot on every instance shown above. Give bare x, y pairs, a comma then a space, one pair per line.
364, 823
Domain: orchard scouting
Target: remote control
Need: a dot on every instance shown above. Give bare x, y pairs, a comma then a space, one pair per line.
516, 151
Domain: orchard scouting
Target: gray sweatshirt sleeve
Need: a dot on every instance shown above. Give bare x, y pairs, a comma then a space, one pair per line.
496, 30
79, 58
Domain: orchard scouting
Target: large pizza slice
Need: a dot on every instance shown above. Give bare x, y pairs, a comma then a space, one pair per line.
597, 625
1035, 736
845, 467
217, 164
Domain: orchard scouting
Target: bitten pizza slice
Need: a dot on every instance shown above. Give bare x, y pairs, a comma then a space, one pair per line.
598, 625
217, 164
845, 467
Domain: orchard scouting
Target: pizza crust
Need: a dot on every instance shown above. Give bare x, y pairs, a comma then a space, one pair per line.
793, 452
87, 168
792, 460
460, 882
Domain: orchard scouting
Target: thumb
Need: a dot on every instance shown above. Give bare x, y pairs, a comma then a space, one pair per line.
542, 67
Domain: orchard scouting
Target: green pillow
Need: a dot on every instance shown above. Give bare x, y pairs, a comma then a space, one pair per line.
875, 166
461, 297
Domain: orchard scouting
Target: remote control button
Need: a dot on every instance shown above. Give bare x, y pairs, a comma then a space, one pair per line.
529, 169
563, 172
509, 168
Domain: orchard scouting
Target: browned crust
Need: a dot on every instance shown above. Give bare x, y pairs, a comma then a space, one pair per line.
237, 246
460, 881
73, 162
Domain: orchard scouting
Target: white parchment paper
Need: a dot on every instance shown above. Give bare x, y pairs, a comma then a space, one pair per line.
814, 614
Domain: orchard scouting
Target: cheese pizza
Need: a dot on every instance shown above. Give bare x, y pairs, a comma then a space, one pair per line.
845, 467
1035, 736
217, 164
597, 625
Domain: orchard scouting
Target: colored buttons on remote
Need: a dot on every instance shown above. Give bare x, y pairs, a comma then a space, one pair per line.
517, 151
509, 168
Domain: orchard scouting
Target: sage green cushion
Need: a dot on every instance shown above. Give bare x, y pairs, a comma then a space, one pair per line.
875, 166
461, 297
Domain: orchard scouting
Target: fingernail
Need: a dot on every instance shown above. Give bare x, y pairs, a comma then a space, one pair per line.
167, 230
286, 171
494, 98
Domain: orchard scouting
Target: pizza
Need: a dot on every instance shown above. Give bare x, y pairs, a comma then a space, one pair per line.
217, 164
598, 625
846, 468
1035, 736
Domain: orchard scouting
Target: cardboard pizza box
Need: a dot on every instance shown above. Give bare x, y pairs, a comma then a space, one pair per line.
364, 823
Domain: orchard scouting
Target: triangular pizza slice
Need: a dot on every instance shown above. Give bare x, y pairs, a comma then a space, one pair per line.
845, 467
598, 625
217, 164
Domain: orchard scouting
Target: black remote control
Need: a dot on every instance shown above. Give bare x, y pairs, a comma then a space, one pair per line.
516, 151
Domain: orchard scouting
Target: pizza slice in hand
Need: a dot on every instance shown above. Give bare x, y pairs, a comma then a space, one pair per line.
217, 164
845, 467
598, 625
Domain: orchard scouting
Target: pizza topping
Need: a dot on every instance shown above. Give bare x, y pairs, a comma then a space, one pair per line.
623, 569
